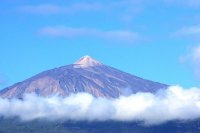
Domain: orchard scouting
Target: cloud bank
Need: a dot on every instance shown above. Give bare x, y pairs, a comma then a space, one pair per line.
175, 103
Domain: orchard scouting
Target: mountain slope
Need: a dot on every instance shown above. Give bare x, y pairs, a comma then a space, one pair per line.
86, 75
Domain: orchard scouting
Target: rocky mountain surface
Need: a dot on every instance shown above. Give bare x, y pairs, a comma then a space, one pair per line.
85, 75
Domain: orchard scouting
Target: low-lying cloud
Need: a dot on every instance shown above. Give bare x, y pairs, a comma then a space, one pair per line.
174, 103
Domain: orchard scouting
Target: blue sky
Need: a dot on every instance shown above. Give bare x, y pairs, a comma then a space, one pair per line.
157, 40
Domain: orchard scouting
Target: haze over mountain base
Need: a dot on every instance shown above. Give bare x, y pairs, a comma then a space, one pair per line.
174, 103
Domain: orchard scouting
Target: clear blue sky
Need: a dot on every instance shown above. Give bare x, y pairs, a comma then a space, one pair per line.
150, 39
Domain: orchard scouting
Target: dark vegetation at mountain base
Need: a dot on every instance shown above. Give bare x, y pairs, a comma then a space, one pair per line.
14, 125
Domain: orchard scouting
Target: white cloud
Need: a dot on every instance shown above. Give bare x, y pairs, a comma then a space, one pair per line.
54, 9
111, 35
175, 103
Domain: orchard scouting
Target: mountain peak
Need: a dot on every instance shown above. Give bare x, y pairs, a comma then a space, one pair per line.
103, 81
87, 61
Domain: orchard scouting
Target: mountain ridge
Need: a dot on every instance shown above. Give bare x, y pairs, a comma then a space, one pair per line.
85, 75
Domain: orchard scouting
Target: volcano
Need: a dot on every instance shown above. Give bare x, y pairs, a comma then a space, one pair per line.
85, 75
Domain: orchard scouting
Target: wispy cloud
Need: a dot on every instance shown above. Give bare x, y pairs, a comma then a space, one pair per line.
54, 9
193, 54
174, 103
124, 9
193, 58
111, 35
190, 31
2, 79
192, 3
